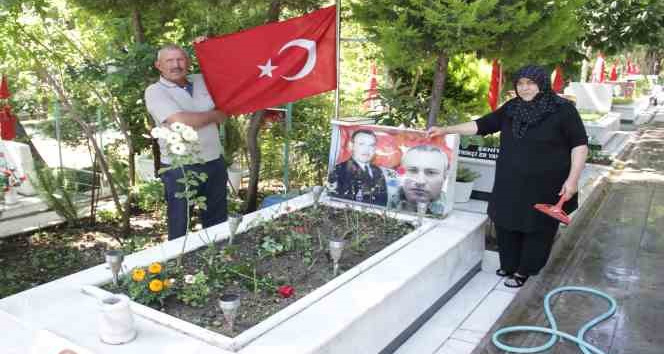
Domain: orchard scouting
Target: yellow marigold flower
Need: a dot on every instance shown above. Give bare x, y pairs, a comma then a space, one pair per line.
156, 286
154, 268
138, 274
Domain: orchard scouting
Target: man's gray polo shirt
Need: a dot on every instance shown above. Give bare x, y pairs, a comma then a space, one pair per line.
165, 98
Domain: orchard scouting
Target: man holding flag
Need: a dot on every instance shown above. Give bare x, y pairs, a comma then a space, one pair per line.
247, 71
179, 98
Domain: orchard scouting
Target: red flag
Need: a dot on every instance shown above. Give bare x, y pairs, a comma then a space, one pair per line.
494, 88
4, 89
558, 81
372, 92
272, 64
614, 73
630, 67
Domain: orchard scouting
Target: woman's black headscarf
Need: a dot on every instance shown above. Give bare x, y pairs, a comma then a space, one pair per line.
527, 114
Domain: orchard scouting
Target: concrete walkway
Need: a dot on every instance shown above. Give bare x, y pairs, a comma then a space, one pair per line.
617, 248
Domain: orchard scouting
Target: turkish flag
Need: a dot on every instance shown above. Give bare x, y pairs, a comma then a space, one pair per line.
494, 88
4, 89
614, 73
272, 64
558, 81
372, 92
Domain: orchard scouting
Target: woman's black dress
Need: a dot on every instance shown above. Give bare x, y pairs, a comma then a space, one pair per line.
532, 169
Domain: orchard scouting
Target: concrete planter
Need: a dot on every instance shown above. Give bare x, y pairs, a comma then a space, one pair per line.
462, 191
632, 112
487, 170
363, 309
601, 131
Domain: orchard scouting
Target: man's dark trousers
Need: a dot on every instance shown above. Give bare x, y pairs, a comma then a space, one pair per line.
214, 189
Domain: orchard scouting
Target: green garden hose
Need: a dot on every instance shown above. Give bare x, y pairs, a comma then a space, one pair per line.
585, 347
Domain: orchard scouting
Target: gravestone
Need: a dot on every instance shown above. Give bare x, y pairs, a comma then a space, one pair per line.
593, 97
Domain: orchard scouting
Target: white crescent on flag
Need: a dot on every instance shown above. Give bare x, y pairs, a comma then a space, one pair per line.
310, 46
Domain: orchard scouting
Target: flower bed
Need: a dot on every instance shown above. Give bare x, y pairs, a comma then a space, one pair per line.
270, 266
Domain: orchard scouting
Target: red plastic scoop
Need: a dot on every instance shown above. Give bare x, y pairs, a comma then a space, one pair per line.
555, 211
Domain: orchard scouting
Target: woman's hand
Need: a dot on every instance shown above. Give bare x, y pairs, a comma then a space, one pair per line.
570, 187
436, 131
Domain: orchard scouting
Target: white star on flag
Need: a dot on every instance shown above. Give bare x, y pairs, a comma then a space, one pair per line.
266, 70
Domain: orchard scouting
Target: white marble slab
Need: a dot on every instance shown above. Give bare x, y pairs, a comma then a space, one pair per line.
440, 327
455, 346
485, 315
592, 96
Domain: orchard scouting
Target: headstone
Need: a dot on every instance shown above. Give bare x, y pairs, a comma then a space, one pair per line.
592, 97
19, 156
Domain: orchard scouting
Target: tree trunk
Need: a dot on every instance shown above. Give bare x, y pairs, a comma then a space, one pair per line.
137, 24
650, 60
253, 145
254, 149
90, 135
585, 64
438, 88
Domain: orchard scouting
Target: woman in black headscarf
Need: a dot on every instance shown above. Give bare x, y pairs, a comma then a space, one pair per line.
543, 149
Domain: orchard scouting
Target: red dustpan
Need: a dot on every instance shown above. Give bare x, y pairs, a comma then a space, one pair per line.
555, 211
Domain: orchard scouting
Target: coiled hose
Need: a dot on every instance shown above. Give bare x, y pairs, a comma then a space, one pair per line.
585, 347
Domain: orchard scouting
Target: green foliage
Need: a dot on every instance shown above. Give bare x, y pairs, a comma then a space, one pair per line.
464, 174
149, 286
622, 100
612, 26
233, 140
270, 247
194, 290
150, 195
58, 192
492, 140
643, 87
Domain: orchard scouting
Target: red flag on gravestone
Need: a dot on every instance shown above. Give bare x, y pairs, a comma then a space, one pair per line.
494, 88
4, 88
613, 76
271, 65
372, 92
558, 82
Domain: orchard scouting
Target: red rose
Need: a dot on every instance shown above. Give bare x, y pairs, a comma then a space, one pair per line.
286, 291
401, 170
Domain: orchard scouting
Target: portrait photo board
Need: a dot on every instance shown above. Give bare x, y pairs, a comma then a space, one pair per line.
406, 168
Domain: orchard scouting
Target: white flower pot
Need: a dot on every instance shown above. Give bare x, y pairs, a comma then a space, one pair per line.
235, 178
11, 196
462, 191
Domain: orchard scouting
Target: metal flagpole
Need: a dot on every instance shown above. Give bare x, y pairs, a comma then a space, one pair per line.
338, 59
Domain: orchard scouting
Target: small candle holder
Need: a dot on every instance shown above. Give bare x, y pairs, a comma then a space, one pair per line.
336, 247
229, 304
114, 259
422, 208
317, 191
234, 222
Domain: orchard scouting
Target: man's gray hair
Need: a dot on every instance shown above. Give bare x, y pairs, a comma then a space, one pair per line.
169, 47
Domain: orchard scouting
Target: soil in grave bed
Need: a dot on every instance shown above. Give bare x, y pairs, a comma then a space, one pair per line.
288, 251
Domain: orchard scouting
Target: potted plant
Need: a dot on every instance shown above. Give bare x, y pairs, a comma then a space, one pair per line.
464, 184
234, 148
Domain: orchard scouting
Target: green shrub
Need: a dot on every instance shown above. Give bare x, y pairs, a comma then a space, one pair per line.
464, 174
623, 100
150, 196
58, 193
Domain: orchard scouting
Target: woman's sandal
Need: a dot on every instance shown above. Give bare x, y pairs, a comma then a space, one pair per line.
515, 281
503, 273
